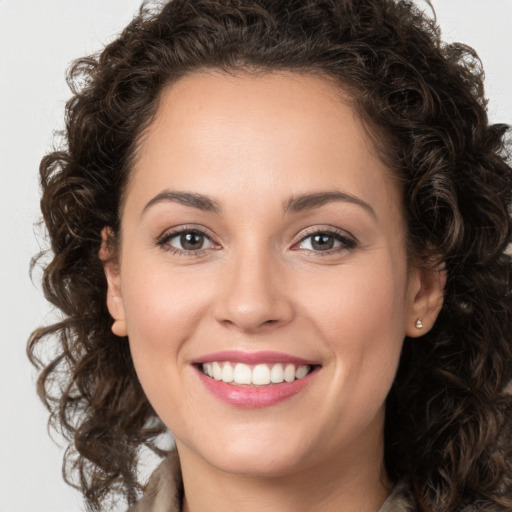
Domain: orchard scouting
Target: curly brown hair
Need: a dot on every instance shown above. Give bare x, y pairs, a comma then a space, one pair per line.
449, 413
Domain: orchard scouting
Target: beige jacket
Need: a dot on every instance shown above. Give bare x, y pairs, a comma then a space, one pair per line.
164, 492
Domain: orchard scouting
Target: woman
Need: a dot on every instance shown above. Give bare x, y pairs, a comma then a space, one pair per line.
280, 231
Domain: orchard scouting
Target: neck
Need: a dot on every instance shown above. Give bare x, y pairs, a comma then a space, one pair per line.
341, 484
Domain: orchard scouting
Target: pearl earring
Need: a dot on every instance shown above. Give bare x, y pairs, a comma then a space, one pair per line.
419, 324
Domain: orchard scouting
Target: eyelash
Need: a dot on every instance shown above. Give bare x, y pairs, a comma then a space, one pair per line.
163, 241
346, 241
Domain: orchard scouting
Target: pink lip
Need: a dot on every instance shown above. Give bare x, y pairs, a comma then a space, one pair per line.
238, 356
249, 397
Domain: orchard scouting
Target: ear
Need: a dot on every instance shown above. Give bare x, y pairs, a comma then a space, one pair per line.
425, 299
111, 268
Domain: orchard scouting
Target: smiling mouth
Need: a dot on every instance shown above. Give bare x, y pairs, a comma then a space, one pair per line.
242, 374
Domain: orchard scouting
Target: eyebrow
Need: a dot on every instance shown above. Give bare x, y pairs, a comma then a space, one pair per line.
295, 204
199, 201
315, 200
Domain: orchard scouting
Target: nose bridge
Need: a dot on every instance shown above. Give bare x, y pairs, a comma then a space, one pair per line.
254, 295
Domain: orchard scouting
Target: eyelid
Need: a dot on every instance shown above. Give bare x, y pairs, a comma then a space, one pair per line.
347, 240
163, 240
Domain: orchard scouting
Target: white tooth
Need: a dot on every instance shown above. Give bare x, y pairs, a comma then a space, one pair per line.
242, 374
261, 375
207, 368
217, 371
277, 374
227, 373
289, 373
301, 371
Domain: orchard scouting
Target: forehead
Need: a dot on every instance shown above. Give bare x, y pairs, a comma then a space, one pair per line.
279, 134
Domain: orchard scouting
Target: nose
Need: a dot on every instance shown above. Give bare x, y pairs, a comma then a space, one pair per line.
253, 297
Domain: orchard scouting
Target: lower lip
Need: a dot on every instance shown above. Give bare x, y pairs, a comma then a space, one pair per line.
253, 397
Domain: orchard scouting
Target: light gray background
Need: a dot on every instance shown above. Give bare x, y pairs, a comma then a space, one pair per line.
38, 39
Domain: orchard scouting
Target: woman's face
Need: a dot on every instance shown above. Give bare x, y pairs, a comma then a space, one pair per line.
261, 234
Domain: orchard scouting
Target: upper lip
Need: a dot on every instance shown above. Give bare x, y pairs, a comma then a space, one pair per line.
238, 356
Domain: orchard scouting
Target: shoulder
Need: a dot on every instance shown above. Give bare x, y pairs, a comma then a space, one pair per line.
402, 499
481, 506
164, 490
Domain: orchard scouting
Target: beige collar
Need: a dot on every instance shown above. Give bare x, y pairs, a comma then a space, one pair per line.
165, 490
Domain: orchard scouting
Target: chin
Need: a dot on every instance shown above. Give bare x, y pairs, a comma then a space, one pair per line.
253, 456
257, 463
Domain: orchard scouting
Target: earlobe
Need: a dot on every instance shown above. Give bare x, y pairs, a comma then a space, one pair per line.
111, 269
426, 293
116, 309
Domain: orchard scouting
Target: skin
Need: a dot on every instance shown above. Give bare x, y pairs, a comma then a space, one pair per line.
258, 284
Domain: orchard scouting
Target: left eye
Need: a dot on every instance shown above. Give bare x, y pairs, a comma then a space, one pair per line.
324, 242
189, 241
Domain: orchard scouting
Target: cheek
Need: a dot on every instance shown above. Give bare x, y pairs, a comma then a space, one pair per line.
162, 312
361, 315
161, 306
358, 299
